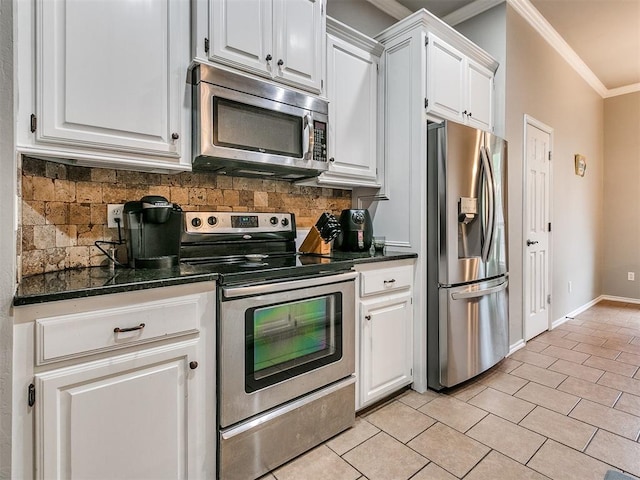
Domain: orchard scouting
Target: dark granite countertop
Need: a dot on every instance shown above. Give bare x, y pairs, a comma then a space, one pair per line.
87, 282
366, 257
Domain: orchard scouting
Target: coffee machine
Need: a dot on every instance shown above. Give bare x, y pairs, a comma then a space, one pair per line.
152, 228
357, 231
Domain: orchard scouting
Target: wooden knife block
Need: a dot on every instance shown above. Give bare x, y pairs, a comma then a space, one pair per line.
313, 243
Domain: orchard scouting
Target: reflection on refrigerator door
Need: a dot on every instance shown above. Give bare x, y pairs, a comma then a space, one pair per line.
472, 320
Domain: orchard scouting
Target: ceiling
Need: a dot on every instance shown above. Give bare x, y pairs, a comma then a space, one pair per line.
602, 36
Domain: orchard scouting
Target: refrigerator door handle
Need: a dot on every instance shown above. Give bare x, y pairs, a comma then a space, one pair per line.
480, 293
488, 174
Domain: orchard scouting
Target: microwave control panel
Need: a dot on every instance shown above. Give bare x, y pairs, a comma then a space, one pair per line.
319, 141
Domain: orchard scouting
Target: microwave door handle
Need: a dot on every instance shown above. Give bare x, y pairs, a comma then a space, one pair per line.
308, 139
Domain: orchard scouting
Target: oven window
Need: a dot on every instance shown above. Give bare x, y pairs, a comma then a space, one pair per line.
288, 339
238, 125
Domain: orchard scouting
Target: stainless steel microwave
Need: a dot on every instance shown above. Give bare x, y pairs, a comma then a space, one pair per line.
243, 126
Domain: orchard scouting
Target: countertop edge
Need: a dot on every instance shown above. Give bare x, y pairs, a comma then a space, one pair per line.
24, 300
170, 280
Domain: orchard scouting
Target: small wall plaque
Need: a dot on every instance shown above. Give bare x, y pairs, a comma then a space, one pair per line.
580, 164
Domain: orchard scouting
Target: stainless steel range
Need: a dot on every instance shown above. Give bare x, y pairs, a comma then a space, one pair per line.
286, 339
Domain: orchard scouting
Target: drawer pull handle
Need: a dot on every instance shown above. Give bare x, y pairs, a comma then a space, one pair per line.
130, 329
193, 365
393, 280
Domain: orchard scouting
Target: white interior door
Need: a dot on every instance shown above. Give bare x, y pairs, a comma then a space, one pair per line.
536, 227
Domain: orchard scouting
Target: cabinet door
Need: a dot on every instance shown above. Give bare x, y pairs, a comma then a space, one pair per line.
386, 345
241, 34
352, 82
110, 74
479, 96
298, 29
129, 417
445, 79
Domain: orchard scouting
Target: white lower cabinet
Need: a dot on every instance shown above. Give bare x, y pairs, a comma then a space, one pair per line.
385, 332
118, 386
130, 417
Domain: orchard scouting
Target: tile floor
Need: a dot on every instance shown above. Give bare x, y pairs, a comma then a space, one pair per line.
567, 406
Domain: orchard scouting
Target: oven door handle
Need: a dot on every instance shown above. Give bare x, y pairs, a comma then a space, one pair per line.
252, 290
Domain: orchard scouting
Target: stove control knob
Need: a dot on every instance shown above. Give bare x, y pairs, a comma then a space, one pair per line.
212, 220
285, 222
273, 220
196, 222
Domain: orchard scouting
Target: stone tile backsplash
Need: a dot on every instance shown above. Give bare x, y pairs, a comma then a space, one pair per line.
64, 207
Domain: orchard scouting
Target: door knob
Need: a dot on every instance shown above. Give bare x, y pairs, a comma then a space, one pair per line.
531, 242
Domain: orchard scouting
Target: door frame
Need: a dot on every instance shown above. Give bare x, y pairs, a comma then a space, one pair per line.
531, 121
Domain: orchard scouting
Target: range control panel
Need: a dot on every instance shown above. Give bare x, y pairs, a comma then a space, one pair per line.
235, 222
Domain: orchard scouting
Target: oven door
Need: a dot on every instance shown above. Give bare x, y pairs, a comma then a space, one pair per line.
282, 340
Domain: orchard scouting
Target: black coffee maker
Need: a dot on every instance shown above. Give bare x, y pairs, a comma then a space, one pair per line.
357, 231
152, 228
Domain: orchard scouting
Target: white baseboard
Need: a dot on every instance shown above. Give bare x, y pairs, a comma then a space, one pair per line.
516, 346
619, 299
575, 312
521, 343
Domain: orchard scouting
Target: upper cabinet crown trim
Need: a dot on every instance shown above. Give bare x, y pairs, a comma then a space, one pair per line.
354, 37
426, 20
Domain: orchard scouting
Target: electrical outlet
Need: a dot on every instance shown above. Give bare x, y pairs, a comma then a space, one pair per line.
570, 286
631, 276
114, 210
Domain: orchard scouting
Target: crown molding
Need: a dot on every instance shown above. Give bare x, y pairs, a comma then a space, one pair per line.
391, 8
614, 92
470, 11
534, 18
544, 28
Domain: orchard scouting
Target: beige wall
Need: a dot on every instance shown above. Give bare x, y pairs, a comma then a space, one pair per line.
621, 200
541, 84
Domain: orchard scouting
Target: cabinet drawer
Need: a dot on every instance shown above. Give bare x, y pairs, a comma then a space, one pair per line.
384, 280
78, 334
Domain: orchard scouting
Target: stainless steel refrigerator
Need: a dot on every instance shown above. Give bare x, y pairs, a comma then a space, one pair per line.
467, 274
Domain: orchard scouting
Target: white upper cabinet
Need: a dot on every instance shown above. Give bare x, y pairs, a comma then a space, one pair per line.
479, 96
109, 82
299, 29
279, 39
458, 88
352, 89
241, 33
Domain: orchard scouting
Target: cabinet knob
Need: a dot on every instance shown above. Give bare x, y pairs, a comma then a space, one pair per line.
367, 317
268, 58
193, 365
280, 62
175, 136
332, 159
470, 114
464, 113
